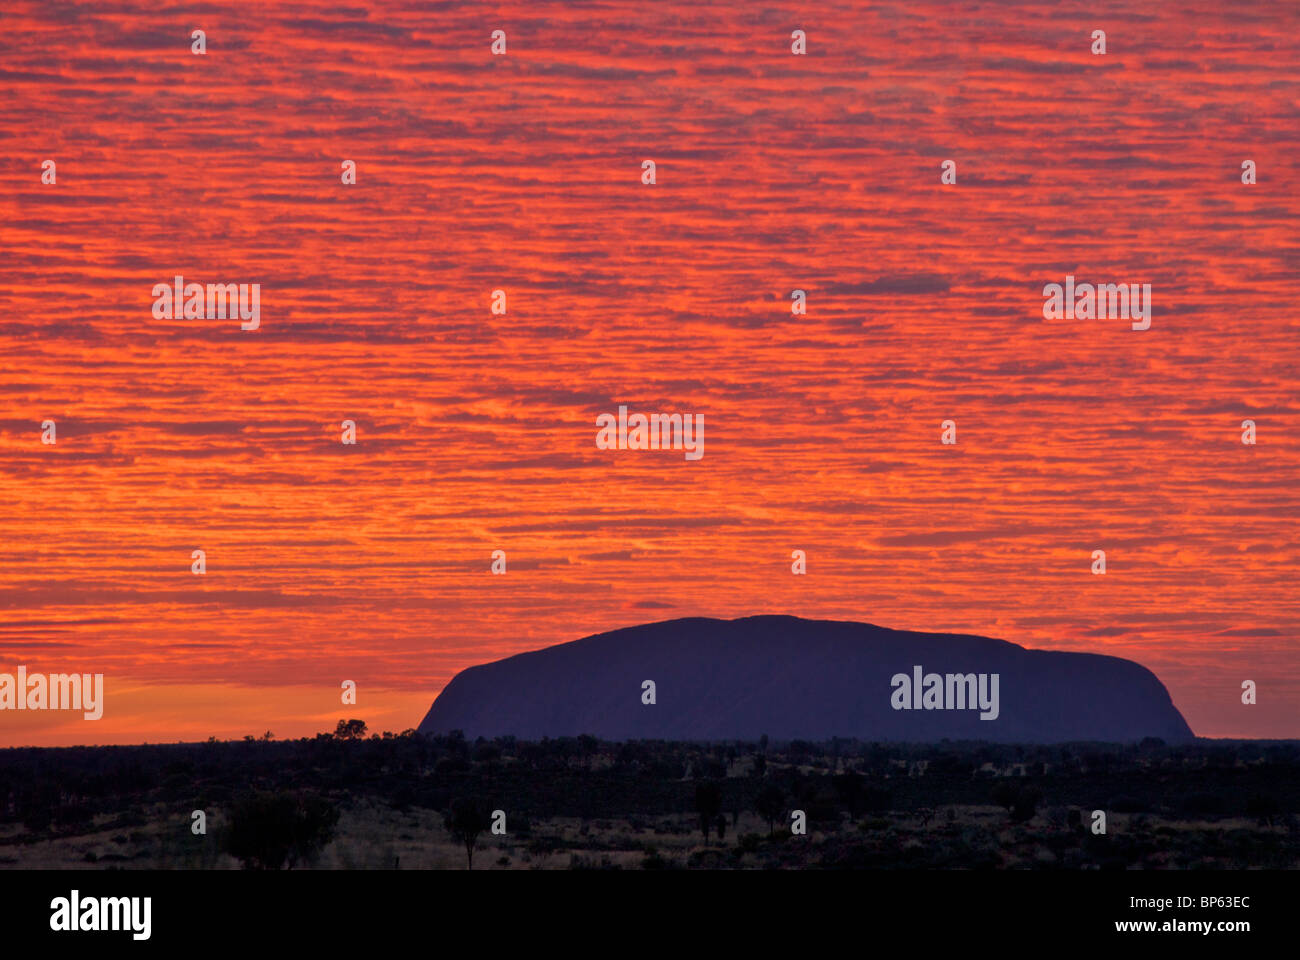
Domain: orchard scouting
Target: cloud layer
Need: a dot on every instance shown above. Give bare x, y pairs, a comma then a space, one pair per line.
476, 432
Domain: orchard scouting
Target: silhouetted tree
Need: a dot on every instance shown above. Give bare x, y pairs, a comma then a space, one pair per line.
350, 730
1020, 802
1265, 807
1004, 795
465, 820
708, 802
268, 829
849, 787
37, 817
770, 805
1026, 804
487, 753
587, 747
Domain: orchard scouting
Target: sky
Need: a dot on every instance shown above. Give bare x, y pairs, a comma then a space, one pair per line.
475, 431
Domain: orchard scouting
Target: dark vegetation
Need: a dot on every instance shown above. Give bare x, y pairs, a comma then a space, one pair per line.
269, 830
948, 805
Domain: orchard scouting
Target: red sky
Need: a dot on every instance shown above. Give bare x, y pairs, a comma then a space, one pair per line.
477, 432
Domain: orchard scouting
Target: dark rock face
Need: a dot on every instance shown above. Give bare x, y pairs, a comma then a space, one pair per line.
806, 679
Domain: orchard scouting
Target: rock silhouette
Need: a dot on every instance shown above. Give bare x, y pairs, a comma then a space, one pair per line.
793, 678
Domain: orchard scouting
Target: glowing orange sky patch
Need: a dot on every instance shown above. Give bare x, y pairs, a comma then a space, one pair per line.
476, 432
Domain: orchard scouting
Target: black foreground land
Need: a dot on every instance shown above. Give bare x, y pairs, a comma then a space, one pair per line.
350, 800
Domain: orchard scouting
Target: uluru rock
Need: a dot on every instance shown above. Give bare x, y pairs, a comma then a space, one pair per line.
792, 678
